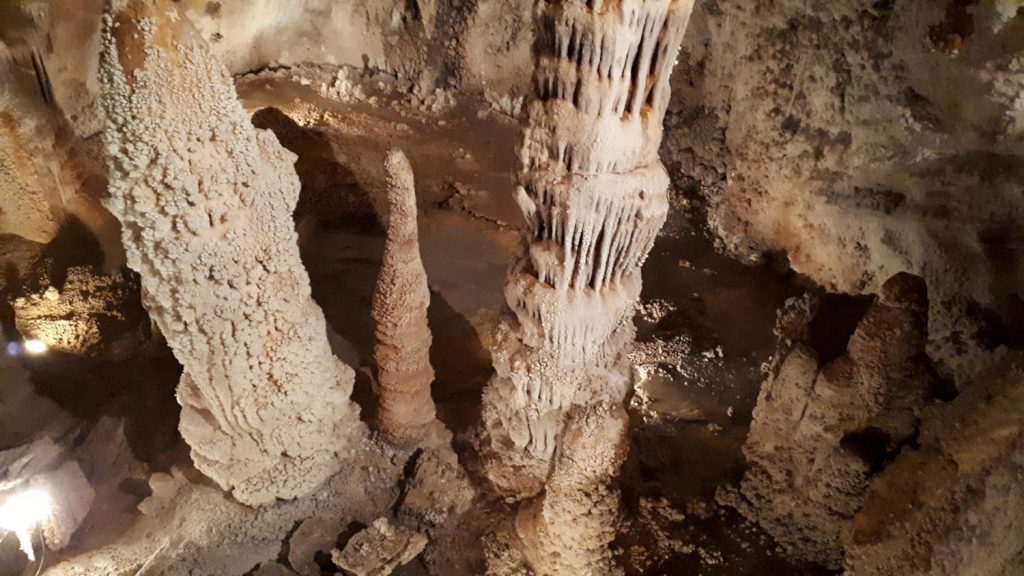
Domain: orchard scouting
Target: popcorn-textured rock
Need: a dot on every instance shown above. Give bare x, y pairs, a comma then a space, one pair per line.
206, 202
379, 549
407, 414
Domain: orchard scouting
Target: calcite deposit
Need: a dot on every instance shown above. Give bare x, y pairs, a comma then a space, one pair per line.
205, 200
954, 503
402, 351
823, 427
861, 139
594, 196
90, 314
29, 197
239, 338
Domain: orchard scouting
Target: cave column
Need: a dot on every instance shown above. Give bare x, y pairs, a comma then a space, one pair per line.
594, 195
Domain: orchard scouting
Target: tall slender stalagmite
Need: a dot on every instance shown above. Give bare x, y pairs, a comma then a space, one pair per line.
206, 203
594, 194
407, 414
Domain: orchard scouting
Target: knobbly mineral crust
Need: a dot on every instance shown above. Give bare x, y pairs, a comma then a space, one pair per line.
206, 200
822, 161
819, 431
406, 415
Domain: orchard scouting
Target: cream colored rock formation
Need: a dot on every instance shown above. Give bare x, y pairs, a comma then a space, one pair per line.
820, 433
378, 550
206, 202
45, 466
30, 203
861, 140
594, 195
71, 499
567, 529
954, 505
404, 374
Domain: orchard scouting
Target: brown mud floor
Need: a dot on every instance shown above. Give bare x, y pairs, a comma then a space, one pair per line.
700, 354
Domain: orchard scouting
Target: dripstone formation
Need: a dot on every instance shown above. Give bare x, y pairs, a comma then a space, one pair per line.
820, 433
593, 193
206, 203
402, 351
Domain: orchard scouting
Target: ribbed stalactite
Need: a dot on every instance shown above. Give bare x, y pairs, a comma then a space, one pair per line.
594, 196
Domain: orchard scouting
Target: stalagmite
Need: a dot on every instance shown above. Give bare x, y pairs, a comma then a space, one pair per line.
402, 351
206, 202
594, 195
567, 530
820, 433
954, 504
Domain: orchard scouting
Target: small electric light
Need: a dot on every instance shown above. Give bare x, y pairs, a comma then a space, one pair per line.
21, 512
34, 346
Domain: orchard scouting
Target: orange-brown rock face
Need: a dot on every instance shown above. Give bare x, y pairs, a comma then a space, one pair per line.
206, 203
954, 504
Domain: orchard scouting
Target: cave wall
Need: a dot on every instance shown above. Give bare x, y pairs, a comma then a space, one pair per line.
860, 139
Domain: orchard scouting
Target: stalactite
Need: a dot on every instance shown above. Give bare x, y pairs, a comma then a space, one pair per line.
594, 194
205, 201
407, 414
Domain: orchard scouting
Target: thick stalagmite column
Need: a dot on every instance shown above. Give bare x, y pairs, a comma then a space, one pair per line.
567, 530
402, 351
594, 194
206, 203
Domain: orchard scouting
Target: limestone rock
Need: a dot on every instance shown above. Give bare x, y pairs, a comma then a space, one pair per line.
316, 534
568, 528
820, 433
594, 196
72, 498
400, 300
206, 201
954, 505
30, 205
439, 489
92, 314
379, 549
